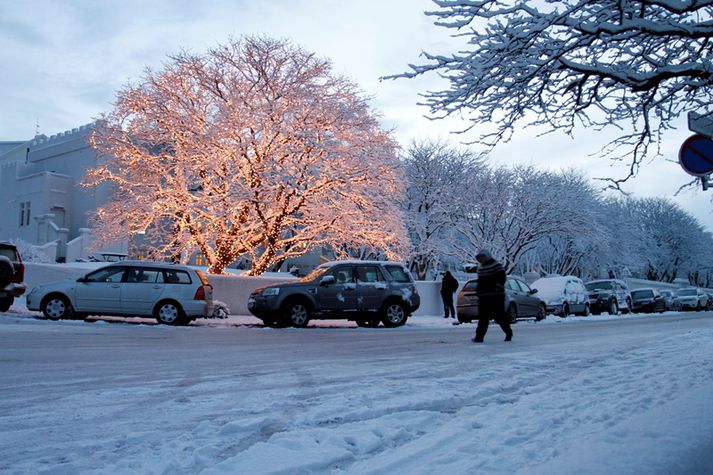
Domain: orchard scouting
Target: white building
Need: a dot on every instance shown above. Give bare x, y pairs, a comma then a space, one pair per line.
40, 186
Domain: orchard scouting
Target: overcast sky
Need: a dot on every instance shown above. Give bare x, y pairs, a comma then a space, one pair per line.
63, 62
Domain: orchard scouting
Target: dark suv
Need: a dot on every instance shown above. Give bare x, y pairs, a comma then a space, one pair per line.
367, 292
12, 274
608, 295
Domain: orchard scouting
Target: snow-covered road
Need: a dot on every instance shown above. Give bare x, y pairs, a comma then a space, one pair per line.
627, 396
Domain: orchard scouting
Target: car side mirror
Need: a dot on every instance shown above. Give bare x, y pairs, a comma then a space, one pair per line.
327, 280
533, 291
82, 279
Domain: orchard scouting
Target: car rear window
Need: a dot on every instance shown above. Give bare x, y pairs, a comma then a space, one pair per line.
471, 285
174, 276
8, 252
398, 274
605, 285
639, 294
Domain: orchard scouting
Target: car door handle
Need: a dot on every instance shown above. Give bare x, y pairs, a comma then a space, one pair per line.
157, 286
115, 286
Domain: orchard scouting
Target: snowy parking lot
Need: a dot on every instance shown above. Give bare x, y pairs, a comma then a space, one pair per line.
624, 395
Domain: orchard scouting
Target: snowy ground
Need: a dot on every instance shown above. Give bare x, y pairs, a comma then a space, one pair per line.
597, 395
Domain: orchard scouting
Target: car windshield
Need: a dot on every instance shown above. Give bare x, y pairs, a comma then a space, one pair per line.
605, 285
642, 294
686, 292
314, 274
666, 293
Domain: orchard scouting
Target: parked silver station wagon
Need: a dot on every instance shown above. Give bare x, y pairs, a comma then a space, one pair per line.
173, 294
367, 292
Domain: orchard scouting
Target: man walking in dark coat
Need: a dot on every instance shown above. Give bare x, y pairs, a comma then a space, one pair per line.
449, 285
491, 296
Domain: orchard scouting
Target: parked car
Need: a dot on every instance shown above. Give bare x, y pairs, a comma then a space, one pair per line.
173, 294
12, 274
520, 301
563, 295
608, 295
367, 292
668, 297
709, 301
647, 301
692, 298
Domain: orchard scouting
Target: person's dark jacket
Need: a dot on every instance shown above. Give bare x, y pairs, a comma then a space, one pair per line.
449, 284
491, 278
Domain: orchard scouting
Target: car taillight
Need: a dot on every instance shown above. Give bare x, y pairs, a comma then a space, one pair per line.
200, 293
20, 274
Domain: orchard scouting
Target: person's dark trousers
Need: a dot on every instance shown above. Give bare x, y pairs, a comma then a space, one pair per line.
448, 308
492, 307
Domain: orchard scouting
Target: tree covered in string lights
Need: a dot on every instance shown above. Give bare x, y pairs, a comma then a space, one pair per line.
255, 149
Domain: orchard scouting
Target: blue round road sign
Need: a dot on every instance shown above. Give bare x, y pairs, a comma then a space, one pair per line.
696, 155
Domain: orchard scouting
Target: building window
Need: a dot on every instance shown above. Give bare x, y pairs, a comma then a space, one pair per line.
25, 213
200, 259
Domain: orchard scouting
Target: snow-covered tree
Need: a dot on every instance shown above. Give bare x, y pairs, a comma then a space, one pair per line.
511, 211
255, 149
638, 64
438, 174
673, 236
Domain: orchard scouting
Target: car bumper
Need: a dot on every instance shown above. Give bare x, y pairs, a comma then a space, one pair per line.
13, 290
554, 308
599, 305
33, 301
643, 307
261, 306
197, 308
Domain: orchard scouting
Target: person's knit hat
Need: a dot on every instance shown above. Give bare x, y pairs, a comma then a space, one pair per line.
485, 253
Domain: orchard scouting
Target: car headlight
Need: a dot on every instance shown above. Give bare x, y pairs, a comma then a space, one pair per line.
271, 292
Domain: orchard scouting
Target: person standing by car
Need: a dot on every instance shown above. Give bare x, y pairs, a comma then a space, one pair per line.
491, 296
449, 285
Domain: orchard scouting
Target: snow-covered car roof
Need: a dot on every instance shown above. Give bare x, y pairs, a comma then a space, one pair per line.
553, 286
358, 262
138, 263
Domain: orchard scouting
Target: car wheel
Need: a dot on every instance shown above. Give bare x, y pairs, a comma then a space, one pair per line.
297, 314
6, 303
56, 307
587, 311
565, 310
169, 313
6, 271
393, 315
512, 313
613, 307
541, 312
